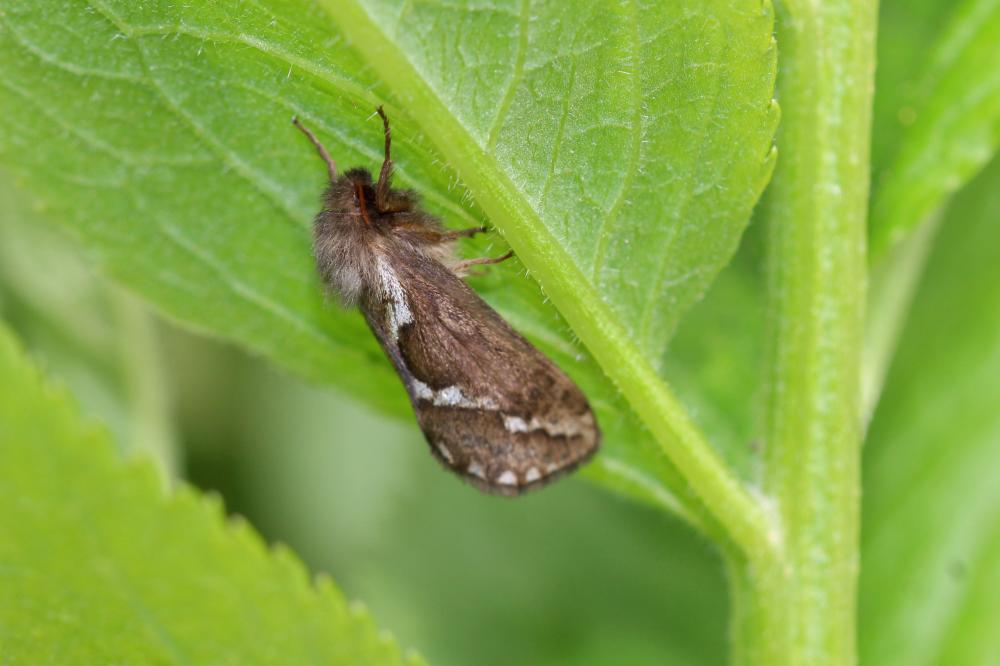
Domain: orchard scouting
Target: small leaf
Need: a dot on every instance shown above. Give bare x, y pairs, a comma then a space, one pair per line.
931, 534
946, 125
634, 138
99, 566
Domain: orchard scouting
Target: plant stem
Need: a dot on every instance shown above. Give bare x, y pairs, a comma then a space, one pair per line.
804, 611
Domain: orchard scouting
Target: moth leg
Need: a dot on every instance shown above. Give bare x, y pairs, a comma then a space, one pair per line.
461, 267
331, 166
435, 237
383, 187
462, 233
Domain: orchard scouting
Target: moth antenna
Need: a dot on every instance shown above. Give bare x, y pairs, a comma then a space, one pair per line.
331, 166
385, 175
462, 266
385, 130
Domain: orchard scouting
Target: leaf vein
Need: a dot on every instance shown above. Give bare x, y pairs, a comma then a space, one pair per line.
95, 142
515, 80
55, 61
322, 74
561, 129
635, 150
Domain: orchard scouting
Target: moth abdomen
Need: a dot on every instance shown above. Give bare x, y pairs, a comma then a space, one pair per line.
493, 408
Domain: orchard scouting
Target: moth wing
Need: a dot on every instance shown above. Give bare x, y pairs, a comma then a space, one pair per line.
493, 408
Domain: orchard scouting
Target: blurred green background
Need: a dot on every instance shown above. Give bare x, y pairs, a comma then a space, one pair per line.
572, 575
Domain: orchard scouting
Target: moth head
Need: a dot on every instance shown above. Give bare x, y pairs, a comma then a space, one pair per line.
352, 196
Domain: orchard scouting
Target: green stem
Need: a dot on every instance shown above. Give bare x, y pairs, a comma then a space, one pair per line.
804, 611
741, 515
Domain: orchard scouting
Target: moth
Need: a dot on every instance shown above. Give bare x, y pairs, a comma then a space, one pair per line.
494, 409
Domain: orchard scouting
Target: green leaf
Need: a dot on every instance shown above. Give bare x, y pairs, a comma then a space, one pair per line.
930, 588
938, 121
619, 150
99, 565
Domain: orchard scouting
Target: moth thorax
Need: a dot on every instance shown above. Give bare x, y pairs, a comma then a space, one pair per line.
344, 259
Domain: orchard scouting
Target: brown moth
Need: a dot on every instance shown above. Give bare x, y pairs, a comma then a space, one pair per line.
493, 408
